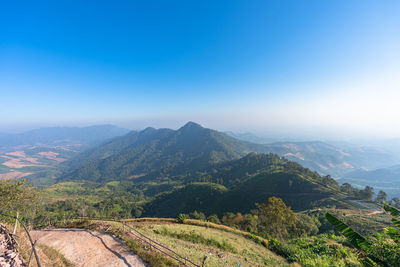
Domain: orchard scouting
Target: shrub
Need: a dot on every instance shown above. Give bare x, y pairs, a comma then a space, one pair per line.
181, 218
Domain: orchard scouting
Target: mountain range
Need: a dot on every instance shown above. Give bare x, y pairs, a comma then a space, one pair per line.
154, 152
157, 152
85, 136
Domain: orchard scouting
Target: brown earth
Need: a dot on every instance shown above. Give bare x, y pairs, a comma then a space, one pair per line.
52, 156
14, 175
88, 248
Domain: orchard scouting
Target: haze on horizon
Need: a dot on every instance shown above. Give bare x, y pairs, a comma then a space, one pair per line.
303, 68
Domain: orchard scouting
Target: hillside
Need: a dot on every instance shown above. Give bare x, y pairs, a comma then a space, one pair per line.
296, 191
246, 181
156, 153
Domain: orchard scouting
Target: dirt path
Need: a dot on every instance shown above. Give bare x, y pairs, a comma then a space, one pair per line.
88, 248
376, 212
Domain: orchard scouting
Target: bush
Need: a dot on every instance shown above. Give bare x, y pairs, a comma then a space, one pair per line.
181, 218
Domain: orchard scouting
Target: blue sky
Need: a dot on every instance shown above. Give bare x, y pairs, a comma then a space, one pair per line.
301, 67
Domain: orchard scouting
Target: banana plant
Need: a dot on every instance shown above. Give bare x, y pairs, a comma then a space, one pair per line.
356, 239
394, 233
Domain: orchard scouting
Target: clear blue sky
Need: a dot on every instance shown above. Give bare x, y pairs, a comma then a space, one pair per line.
283, 66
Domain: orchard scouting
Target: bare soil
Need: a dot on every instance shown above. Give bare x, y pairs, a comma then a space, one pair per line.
14, 175
88, 248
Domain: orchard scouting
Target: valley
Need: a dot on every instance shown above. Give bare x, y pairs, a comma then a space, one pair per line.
194, 189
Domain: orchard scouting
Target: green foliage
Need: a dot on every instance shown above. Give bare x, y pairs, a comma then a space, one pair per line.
392, 210
15, 196
275, 218
355, 238
213, 218
197, 239
381, 197
181, 218
383, 249
316, 251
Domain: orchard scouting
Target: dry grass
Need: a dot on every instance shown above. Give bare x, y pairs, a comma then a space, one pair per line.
222, 245
225, 228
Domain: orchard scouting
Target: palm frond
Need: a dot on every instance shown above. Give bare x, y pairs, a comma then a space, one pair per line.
392, 210
356, 239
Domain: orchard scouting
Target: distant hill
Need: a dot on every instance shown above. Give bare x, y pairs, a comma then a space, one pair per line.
250, 137
37, 154
386, 179
85, 136
328, 159
158, 152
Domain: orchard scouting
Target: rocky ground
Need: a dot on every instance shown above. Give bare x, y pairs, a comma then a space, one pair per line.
8, 253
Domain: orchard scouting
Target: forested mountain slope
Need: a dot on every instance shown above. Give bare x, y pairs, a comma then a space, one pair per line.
154, 152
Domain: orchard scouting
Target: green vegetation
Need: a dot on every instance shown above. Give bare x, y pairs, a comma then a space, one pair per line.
222, 248
238, 210
382, 249
323, 250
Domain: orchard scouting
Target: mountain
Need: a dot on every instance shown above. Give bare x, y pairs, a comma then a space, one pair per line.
164, 152
250, 137
85, 136
328, 159
154, 152
386, 179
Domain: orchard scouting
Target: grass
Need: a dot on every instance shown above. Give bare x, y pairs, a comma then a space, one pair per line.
221, 227
217, 247
221, 248
197, 239
52, 253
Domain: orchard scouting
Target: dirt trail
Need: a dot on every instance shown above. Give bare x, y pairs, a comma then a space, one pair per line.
376, 212
88, 248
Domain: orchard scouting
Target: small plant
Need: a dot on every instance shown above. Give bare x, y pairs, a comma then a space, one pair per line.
181, 218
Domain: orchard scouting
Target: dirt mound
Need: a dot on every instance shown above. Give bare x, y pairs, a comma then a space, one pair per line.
88, 248
8, 253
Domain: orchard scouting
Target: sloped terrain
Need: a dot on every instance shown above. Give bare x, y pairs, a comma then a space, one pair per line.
215, 247
155, 153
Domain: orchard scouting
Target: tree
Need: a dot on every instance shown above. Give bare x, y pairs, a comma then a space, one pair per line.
347, 188
275, 218
381, 197
367, 193
329, 181
396, 202
213, 218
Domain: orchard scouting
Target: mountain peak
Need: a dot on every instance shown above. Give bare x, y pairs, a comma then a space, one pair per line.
149, 130
192, 125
